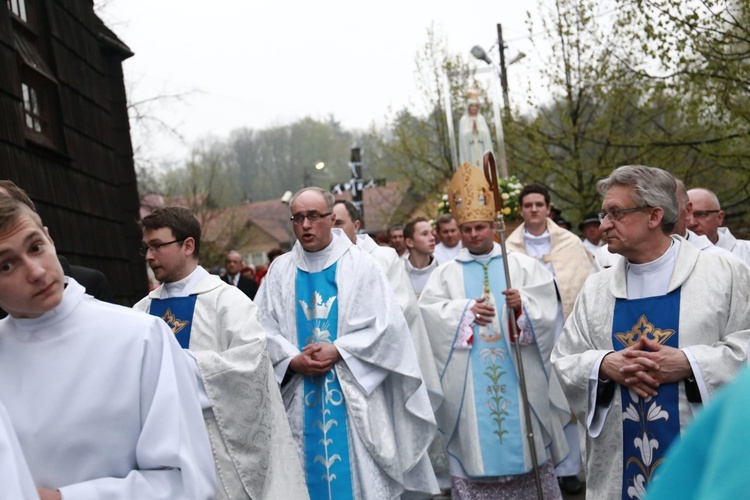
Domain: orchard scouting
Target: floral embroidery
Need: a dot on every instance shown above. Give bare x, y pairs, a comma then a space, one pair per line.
646, 445
496, 403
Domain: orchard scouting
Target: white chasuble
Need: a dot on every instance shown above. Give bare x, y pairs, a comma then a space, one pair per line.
713, 331
253, 450
473, 401
389, 418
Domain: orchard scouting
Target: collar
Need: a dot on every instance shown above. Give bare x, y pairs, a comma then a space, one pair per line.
41, 326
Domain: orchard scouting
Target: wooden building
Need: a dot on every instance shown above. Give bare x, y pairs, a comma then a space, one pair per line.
64, 134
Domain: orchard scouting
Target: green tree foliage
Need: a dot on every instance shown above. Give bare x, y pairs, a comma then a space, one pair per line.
271, 161
607, 110
698, 51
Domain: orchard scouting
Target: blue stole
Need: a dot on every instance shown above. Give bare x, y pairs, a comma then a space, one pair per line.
327, 462
494, 378
177, 312
648, 425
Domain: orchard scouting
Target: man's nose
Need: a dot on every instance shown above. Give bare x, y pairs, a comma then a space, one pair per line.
36, 270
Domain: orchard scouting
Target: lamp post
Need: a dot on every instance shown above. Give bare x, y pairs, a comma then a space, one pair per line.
306, 173
479, 53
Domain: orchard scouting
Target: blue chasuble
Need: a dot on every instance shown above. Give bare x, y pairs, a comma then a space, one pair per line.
494, 378
649, 425
327, 464
177, 312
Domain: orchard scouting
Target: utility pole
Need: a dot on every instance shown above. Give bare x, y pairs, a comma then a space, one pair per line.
355, 165
503, 71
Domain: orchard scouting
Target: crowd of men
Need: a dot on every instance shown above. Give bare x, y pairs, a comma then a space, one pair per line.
484, 366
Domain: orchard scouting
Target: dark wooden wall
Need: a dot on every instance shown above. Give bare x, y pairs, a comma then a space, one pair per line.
84, 183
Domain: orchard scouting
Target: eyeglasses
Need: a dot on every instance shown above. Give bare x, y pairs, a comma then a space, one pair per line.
156, 247
702, 214
616, 215
311, 216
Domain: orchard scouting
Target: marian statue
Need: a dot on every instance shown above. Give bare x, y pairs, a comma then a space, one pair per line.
473, 133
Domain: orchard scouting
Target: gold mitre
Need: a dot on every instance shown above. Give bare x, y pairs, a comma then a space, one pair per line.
470, 196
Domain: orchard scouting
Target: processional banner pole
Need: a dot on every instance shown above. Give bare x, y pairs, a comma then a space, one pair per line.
490, 173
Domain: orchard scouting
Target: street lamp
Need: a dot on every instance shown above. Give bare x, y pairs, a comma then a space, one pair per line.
306, 173
479, 53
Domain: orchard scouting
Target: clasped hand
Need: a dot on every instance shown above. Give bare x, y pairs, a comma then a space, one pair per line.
315, 359
644, 371
483, 312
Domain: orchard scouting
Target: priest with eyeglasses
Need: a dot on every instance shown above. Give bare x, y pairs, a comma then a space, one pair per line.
650, 339
340, 346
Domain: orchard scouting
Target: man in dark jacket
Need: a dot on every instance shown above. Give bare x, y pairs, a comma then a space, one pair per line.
233, 276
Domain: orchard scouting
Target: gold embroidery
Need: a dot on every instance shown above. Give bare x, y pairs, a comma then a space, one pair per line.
644, 328
175, 324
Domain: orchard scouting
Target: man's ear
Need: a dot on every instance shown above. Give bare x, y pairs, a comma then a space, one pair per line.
721, 217
409, 242
189, 246
357, 225
657, 214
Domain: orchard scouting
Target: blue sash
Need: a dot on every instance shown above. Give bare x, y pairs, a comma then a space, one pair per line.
648, 425
494, 379
177, 312
327, 462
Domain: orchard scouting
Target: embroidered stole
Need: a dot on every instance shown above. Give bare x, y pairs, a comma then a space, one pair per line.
327, 462
649, 425
178, 314
493, 375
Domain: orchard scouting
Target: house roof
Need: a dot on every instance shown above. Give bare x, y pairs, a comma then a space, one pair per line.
271, 216
384, 205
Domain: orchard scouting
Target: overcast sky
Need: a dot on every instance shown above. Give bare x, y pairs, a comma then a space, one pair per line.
258, 64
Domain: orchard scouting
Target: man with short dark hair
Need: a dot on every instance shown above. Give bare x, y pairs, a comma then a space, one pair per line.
419, 261
450, 238
100, 396
225, 345
341, 348
563, 254
396, 235
651, 337
592, 237
234, 265
94, 281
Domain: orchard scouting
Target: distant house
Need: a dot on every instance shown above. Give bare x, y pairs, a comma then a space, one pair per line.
252, 229
255, 228
64, 134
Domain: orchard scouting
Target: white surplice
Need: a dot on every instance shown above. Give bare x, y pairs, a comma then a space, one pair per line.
15, 478
445, 254
739, 248
103, 403
389, 416
445, 307
395, 271
713, 332
253, 449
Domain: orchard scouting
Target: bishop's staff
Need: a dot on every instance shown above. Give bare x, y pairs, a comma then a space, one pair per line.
490, 173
